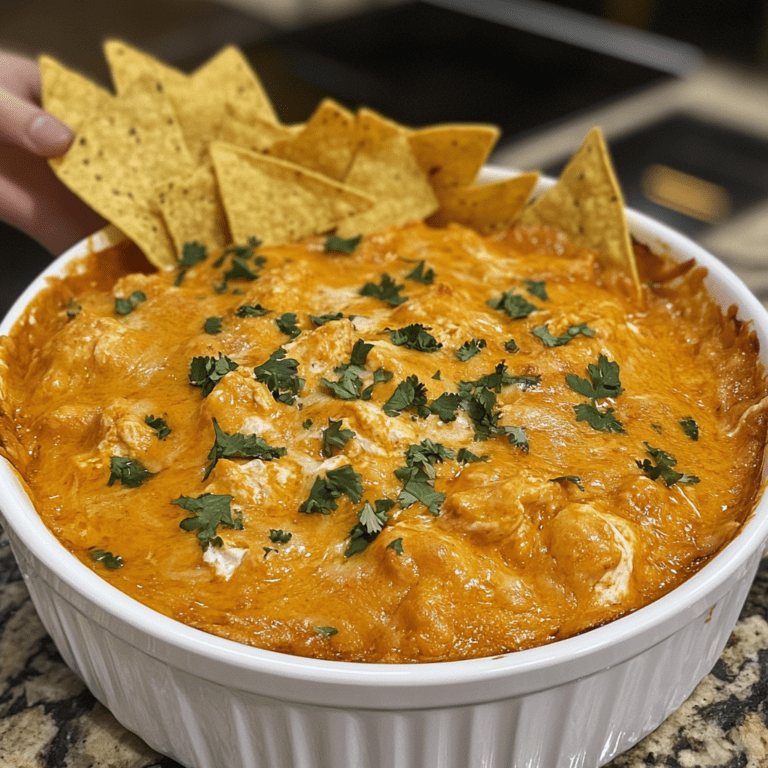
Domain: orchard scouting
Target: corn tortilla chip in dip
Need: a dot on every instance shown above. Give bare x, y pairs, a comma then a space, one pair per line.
452, 155
277, 201
385, 168
326, 144
118, 158
192, 210
68, 95
586, 203
485, 207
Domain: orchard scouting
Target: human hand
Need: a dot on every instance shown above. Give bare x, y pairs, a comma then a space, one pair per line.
32, 198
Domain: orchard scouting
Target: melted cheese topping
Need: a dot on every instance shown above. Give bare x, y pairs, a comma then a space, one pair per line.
518, 549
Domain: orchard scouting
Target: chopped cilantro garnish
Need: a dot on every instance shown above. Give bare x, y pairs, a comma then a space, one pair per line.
537, 288
517, 436
325, 491
426, 454
604, 380
500, 378
512, 304
478, 400
420, 276
470, 349
126, 306
360, 352
602, 421
445, 406
326, 631
128, 471
73, 308
159, 425
465, 456
212, 325
280, 374
349, 386
251, 310
575, 479
415, 336
239, 446
657, 427
209, 511
306, 424
371, 521
417, 486
192, 253
276, 536
437, 376
287, 324
387, 290
690, 427
548, 340
409, 394
107, 559
336, 244
205, 372
396, 545
663, 468
511, 346
334, 437
323, 319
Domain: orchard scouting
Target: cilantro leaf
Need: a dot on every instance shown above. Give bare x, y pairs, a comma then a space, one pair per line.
663, 468
445, 406
212, 325
159, 425
417, 486
602, 421
415, 336
410, 393
287, 324
335, 437
360, 352
205, 372
126, 306
575, 479
251, 310
511, 346
324, 492
396, 545
604, 380
469, 349
500, 378
326, 631
336, 244
239, 446
515, 306
107, 559
517, 436
129, 472
690, 427
387, 290
548, 340
426, 454
537, 288
280, 375
209, 511
465, 456
349, 386
276, 536
371, 521
323, 319
192, 253
420, 276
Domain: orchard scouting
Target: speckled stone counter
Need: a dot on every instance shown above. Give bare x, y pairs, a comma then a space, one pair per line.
48, 719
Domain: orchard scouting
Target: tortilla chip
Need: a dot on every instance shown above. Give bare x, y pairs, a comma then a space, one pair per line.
587, 204
277, 201
385, 168
326, 144
118, 158
256, 135
68, 95
223, 90
452, 155
192, 210
485, 207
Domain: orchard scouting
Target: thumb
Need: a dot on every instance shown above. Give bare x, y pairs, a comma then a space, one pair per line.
26, 125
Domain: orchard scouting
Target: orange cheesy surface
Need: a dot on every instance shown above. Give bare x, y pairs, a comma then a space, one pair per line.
436, 447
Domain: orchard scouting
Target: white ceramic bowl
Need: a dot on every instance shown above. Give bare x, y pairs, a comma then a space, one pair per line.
210, 702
